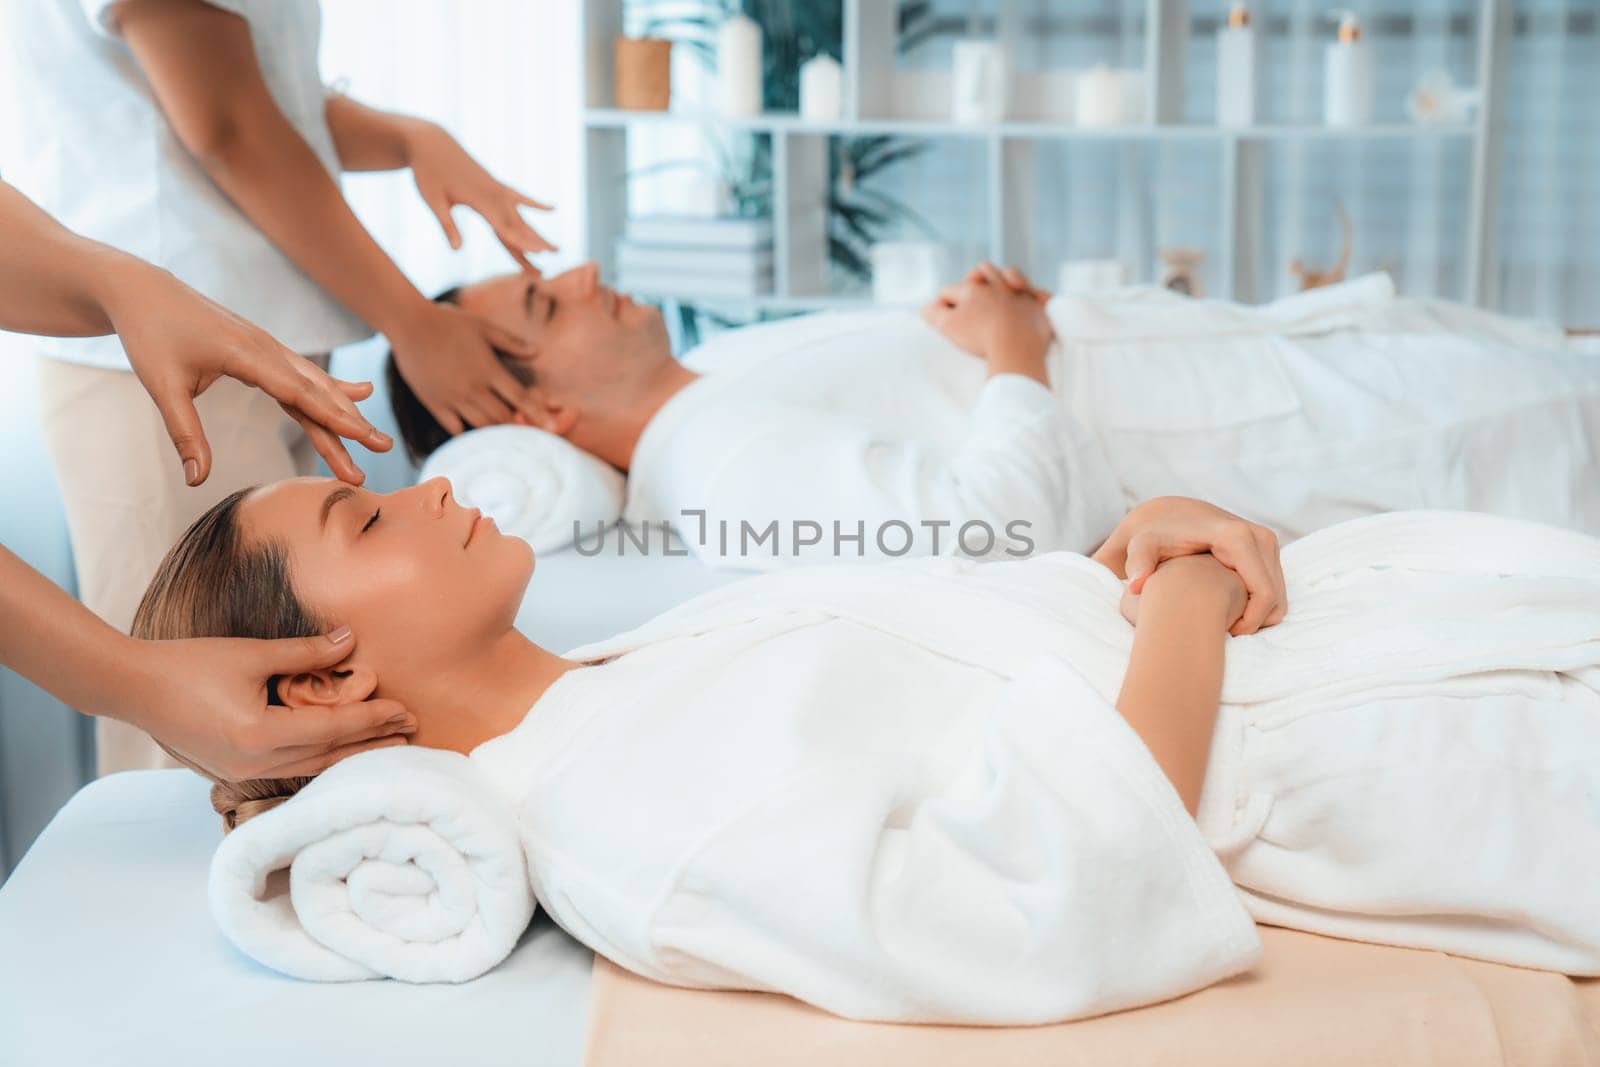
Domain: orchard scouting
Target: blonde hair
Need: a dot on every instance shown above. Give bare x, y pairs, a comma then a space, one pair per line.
216, 583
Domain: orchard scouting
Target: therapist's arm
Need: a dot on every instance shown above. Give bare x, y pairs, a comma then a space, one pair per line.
1173, 686
205, 699
54, 282
201, 64
369, 139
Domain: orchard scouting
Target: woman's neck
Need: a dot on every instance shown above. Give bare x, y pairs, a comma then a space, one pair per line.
483, 696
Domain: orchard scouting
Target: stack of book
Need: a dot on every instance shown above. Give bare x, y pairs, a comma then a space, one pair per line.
692, 258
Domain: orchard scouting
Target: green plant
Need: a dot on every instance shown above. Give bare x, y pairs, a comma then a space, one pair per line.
860, 217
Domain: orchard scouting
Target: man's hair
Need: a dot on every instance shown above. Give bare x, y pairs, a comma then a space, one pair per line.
419, 430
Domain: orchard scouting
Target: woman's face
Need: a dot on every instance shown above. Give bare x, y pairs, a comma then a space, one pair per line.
417, 576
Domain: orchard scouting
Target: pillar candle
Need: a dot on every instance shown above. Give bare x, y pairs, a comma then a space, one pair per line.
821, 89
739, 66
1100, 98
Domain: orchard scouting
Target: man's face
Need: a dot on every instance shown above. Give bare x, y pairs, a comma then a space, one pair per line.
592, 342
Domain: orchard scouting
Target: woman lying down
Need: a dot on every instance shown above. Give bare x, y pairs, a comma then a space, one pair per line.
946, 791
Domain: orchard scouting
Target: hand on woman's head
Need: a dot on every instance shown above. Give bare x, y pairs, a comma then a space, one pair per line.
421, 579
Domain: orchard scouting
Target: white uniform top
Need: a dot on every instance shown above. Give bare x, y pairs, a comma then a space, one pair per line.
87, 142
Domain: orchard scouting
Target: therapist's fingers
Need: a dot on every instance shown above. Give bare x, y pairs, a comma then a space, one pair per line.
295, 382
329, 446
1017, 280
354, 390
507, 341
182, 421
440, 207
310, 766
514, 231
331, 403
524, 198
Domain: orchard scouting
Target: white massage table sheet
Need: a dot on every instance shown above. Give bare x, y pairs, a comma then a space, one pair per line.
108, 955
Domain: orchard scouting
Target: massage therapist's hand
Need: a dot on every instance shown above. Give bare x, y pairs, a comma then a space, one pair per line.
989, 317
447, 357
206, 699
179, 343
447, 176
1172, 526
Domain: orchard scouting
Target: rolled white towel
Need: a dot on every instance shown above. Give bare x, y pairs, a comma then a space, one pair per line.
533, 484
400, 863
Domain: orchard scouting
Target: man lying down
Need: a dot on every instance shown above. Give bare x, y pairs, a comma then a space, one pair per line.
1040, 423
944, 790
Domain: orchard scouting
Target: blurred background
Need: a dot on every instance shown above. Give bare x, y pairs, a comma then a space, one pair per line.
1452, 143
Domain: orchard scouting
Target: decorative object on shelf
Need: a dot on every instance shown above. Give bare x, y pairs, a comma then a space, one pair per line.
980, 82
1076, 277
695, 257
1314, 279
907, 272
859, 216
1347, 75
821, 89
1236, 69
1180, 270
1107, 97
644, 73
1438, 100
790, 34
739, 66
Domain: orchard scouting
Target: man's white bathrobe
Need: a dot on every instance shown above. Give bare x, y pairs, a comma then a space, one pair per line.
904, 792
1330, 405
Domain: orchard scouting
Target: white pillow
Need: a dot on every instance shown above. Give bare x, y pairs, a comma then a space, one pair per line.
534, 484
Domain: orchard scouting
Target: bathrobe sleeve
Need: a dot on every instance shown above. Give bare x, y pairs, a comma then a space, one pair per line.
1051, 874
1026, 471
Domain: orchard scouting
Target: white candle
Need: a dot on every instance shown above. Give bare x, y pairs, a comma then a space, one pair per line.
906, 272
739, 66
1100, 98
980, 82
821, 89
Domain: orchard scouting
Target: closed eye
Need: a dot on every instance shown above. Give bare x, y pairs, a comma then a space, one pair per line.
550, 303
372, 520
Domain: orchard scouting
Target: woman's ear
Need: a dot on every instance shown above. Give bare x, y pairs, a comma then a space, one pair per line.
345, 684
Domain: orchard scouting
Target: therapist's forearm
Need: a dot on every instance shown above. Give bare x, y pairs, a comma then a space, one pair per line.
1173, 687
58, 644
369, 139
269, 171
52, 281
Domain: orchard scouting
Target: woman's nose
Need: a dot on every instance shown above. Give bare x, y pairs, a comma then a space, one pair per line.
435, 495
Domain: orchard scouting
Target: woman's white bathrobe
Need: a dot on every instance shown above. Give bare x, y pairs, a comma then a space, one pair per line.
904, 793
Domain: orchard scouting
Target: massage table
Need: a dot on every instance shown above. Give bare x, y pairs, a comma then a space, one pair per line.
108, 955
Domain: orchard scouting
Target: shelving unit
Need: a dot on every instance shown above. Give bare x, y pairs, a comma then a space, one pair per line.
881, 99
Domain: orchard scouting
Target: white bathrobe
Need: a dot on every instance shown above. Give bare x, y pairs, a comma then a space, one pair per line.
904, 793
1326, 406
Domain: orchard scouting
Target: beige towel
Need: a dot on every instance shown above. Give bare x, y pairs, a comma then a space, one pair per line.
1313, 1002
